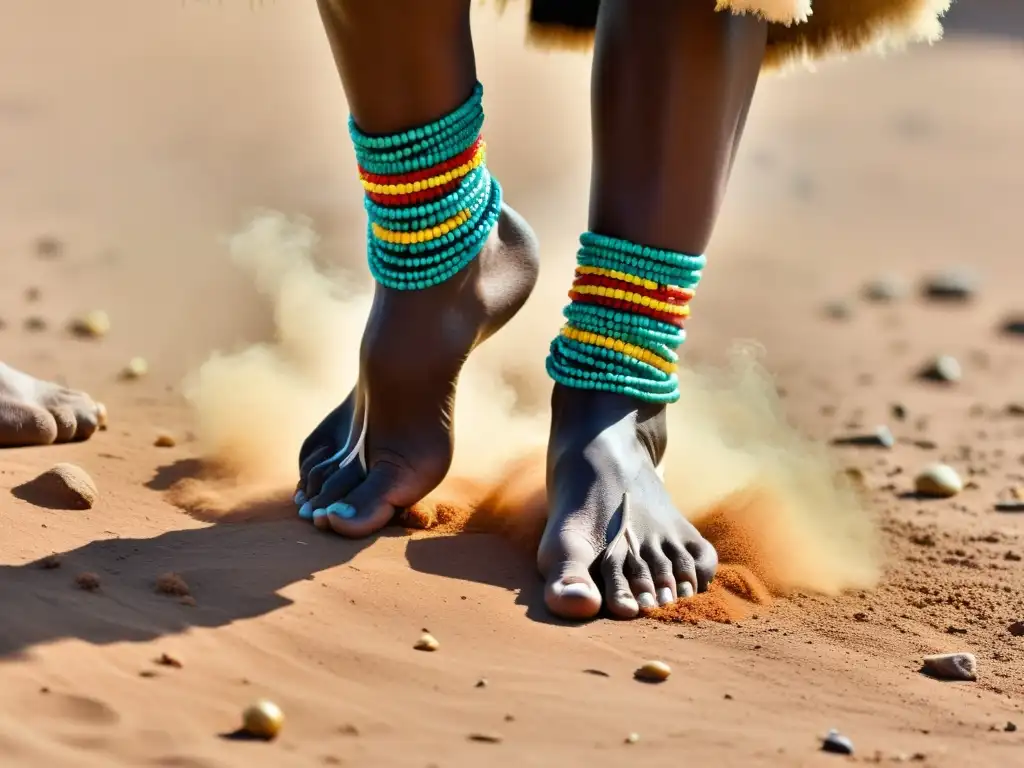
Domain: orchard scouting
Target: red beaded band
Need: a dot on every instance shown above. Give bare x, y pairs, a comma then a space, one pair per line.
628, 307
664, 293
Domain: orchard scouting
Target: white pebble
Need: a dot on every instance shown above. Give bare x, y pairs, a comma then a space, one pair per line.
952, 666
427, 642
938, 481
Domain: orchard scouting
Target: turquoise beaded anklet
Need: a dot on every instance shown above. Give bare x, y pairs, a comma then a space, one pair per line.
625, 320
430, 199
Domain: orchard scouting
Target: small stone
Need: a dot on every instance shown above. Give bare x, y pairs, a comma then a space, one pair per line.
263, 720
90, 582
838, 310
35, 323
952, 666
1010, 727
165, 440
1015, 409
938, 481
837, 744
172, 584
951, 285
481, 683
860, 616
880, 437
487, 738
596, 672
899, 412
632, 738
1013, 326
1013, 505
1017, 628
49, 247
427, 642
62, 486
653, 672
92, 325
166, 660
886, 288
944, 368
137, 368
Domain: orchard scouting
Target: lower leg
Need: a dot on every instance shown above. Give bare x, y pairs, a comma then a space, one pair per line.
452, 263
672, 84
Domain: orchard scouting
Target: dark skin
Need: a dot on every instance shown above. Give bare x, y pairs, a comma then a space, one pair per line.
672, 84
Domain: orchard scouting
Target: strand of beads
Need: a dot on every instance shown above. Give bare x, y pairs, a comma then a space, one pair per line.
429, 198
625, 320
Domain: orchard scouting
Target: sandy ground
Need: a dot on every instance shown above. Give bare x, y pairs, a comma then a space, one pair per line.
141, 135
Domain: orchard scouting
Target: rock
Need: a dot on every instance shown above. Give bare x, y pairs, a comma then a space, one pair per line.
166, 660
1017, 628
899, 411
632, 738
939, 481
1010, 727
101, 416
165, 440
487, 738
836, 743
886, 288
63, 486
951, 285
482, 682
263, 720
838, 310
92, 325
944, 368
880, 437
653, 672
172, 584
1013, 505
952, 666
427, 642
137, 368
90, 582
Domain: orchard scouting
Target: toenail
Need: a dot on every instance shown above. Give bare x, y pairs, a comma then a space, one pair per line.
320, 512
665, 596
306, 510
577, 589
646, 600
685, 589
300, 498
341, 509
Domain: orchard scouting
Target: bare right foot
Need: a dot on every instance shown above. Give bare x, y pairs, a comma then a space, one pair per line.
34, 412
391, 441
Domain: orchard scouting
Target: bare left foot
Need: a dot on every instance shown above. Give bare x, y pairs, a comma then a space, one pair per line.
34, 412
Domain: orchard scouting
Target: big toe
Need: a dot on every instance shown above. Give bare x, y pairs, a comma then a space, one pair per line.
25, 424
570, 591
367, 508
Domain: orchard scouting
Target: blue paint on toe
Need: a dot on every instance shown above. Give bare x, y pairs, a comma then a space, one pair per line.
306, 510
300, 498
341, 509
320, 512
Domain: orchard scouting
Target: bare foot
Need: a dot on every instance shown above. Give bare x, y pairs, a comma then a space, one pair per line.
34, 412
609, 513
390, 442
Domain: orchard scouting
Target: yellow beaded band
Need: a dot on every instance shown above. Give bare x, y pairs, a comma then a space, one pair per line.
631, 350
615, 274
434, 181
633, 298
422, 235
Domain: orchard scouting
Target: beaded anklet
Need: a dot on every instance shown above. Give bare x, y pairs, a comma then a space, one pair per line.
430, 199
625, 321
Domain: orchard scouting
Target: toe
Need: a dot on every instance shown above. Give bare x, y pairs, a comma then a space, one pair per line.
662, 575
369, 506
570, 591
24, 424
87, 420
683, 569
306, 465
705, 562
333, 491
638, 574
67, 425
618, 593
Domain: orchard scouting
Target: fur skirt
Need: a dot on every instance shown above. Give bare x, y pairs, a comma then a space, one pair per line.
799, 31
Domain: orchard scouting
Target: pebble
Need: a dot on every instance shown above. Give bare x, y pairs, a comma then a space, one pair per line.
172, 584
137, 368
880, 437
263, 720
101, 416
90, 582
63, 486
1014, 505
166, 660
427, 642
653, 672
92, 325
951, 285
633, 738
952, 666
886, 288
1017, 628
938, 481
165, 440
836, 743
487, 738
944, 368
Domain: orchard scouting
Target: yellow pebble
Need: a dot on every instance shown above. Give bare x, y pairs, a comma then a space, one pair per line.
653, 672
263, 719
427, 642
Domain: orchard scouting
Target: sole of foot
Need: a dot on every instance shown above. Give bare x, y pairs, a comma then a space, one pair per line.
610, 517
36, 412
391, 441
